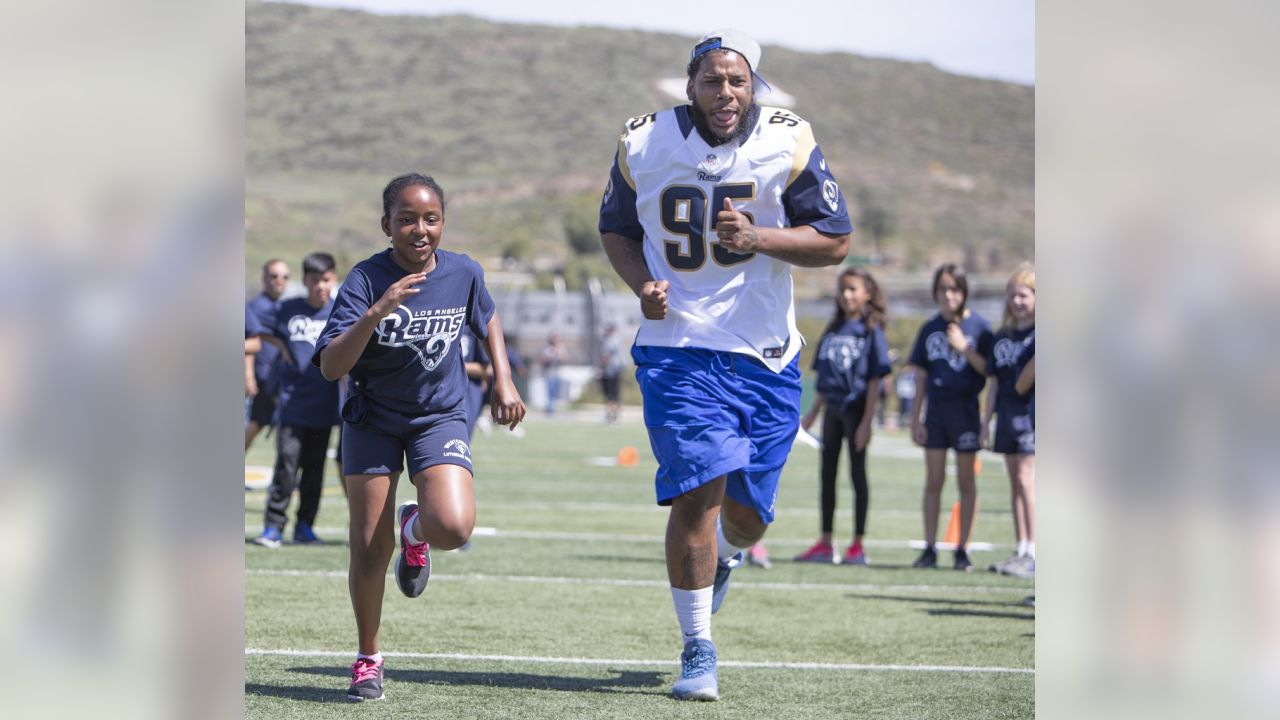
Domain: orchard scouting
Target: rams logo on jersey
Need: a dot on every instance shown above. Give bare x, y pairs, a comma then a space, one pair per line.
1007, 352
429, 333
937, 348
305, 329
842, 351
831, 194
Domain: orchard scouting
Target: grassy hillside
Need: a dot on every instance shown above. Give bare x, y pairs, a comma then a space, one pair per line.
519, 123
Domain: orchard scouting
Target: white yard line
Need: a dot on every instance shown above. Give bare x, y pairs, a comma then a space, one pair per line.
619, 537
621, 582
658, 663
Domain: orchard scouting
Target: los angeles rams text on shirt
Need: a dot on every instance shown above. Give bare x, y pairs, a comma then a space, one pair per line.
429, 332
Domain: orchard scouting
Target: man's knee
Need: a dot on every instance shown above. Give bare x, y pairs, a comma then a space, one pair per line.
700, 500
742, 525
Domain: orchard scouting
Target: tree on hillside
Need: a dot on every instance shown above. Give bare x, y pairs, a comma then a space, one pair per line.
874, 219
581, 230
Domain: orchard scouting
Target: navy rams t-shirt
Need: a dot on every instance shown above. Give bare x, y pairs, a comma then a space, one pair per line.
949, 373
847, 358
306, 398
411, 371
1008, 355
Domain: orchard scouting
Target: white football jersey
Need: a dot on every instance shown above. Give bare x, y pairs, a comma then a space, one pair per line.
667, 187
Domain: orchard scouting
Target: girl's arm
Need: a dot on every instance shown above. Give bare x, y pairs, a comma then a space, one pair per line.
984, 433
960, 343
1026, 378
507, 408
341, 354
818, 401
917, 408
862, 436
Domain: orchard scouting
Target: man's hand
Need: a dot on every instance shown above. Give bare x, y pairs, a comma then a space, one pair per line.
653, 299
735, 230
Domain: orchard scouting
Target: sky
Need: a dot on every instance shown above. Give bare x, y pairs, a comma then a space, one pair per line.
983, 38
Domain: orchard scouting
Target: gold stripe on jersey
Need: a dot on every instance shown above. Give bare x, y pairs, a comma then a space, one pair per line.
623, 167
804, 148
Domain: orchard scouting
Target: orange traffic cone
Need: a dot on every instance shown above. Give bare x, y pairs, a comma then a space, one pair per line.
952, 535
628, 457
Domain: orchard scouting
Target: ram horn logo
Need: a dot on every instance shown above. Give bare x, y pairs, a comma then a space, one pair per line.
429, 338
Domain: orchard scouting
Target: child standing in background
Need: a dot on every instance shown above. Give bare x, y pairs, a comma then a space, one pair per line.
308, 405
1013, 349
852, 360
950, 357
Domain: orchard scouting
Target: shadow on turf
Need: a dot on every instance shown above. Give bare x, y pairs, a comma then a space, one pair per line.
626, 681
937, 601
981, 613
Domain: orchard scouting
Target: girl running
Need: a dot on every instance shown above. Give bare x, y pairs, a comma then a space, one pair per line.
394, 329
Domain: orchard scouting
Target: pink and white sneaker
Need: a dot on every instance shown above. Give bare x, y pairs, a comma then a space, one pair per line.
366, 680
413, 565
758, 556
821, 552
854, 555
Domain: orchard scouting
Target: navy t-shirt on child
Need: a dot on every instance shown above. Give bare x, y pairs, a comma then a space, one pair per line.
949, 372
306, 398
411, 372
847, 358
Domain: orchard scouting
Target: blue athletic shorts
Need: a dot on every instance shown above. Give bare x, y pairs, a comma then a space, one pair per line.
952, 422
715, 413
1015, 434
373, 449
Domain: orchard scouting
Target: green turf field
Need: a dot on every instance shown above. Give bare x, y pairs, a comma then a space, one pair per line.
561, 608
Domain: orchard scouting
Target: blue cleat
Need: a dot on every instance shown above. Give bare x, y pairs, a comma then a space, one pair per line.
720, 587
697, 672
304, 535
270, 538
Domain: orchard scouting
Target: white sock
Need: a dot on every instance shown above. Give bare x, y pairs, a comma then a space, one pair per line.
1031, 550
376, 657
411, 530
724, 549
693, 610
1022, 548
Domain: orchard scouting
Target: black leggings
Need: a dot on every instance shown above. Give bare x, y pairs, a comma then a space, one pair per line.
837, 426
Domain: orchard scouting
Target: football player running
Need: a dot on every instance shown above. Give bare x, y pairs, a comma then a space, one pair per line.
707, 207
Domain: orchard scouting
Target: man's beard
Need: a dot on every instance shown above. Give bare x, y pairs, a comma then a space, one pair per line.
746, 122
